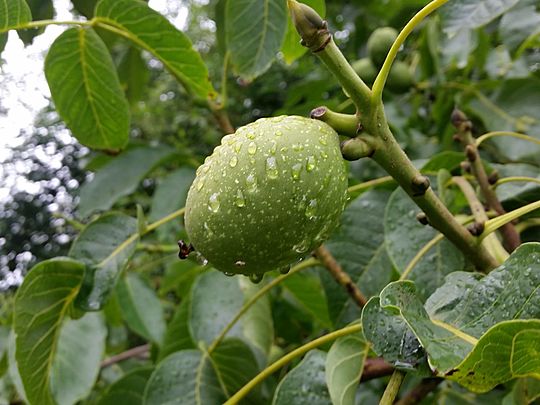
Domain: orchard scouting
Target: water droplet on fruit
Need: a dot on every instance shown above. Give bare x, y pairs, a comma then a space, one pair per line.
233, 162
200, 183
297, 147
251, 182
324, 155
256, 278
229, 139
238, 147
311, 163
240, 201
285, 269
252, 148
228, 274
207, 229
250, 135
302, 247
273, 148
271, 168
213, 202
323, 141
201, 259
278, 133
311, 209
295, 170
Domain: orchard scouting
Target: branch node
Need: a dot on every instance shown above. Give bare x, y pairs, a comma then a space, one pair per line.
465, 166
471, 153
476, 228
419, 185
422, 218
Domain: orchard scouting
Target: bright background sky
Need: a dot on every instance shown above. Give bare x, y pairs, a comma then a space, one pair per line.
23, 89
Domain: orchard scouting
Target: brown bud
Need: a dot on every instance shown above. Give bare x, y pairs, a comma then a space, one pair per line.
470, 152
185, 249
493, 177
476, 228
456, 138
465, 166
457, 118
419, 185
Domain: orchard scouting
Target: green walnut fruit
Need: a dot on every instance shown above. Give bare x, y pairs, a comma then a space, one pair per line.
365, 69
269, 194
379, 43
400, 78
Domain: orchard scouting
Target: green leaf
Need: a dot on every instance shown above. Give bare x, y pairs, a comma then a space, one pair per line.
118, 178
86, 90
518, 24
508, 350
405, 236
154, 33
236, 365
40, 306
3, 41
128, 390
141, 308
254, 34
133, 74
177, 336
291, 47
14, 13
306, 380
362, 254
448, 160
184, 378
306, 287
77, 359
170, 195
524, 391
469, 14
40, 10
215, 301
467, 308
13, 371
344, 366
104, 245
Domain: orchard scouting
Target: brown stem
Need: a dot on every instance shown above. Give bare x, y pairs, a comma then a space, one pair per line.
138, 351
223, 120
419, 392
376, 367
508, 231
328, 261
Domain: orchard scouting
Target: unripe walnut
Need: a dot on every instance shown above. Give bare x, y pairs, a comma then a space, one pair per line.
268, 195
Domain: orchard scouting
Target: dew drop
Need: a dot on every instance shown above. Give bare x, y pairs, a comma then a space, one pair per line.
295, 171
271, 168
200, 183
323, 141
240, 263
273, 148
302, 247
252, 148
285, 269
311, 209
238, 147
201, 259
207, 229
229, 139
311, 163
278, 133
228, 274
297, 147
251, 182
213, 202
250, 135
233, 162
256, 278
324, 155
240, 201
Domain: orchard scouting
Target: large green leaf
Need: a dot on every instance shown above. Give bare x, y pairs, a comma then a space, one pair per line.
40, 306
14, 13
291, 47
104, 245
118, 178
235, 364
518, 24
128, 390
468, 14
216, 299
77, 359
254, 33
133, 74
86, 90
305, 384
154, 33
184, 378
177, 336
472, 325
344, 366
358, 246
141, 308
170, 195
13, 371
405, 236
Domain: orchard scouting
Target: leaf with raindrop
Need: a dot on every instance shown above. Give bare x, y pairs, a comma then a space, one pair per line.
472, 325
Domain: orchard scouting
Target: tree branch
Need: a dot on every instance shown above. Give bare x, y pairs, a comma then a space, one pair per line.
328, 261
376, 367
419, 392
139, 351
